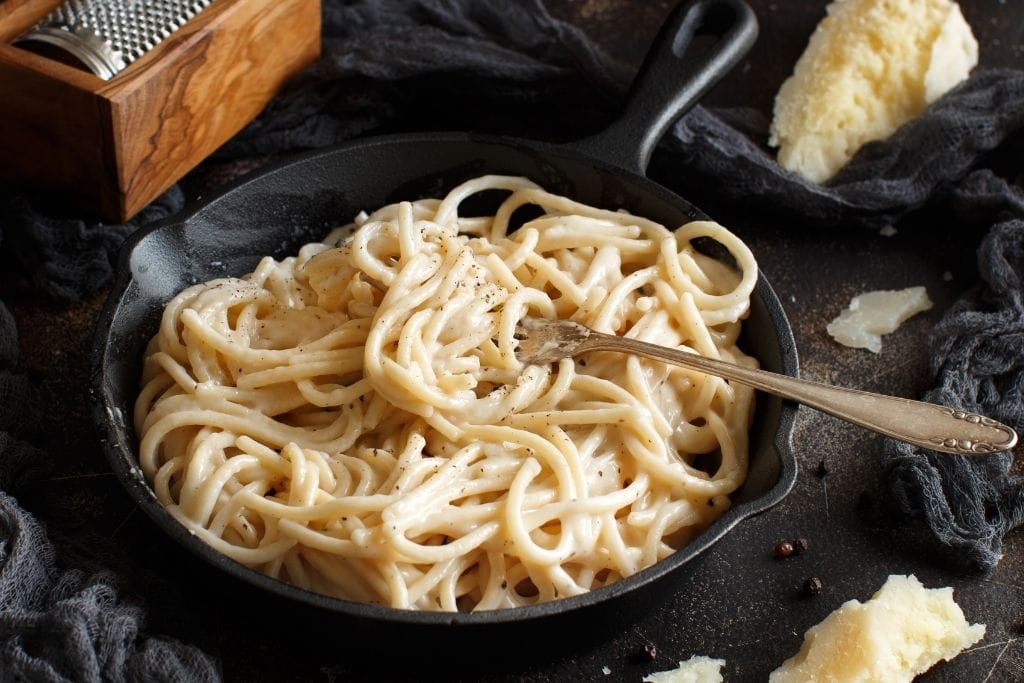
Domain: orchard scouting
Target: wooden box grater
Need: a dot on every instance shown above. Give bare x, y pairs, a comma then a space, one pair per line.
111, 147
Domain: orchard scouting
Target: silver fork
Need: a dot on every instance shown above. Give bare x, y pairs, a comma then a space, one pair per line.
938, 428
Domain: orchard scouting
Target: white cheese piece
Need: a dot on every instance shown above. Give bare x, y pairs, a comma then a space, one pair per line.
697, 669
870, 66
872, 314
902, 631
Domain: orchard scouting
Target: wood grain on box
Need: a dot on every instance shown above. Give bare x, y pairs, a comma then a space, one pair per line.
18, 16
111, 147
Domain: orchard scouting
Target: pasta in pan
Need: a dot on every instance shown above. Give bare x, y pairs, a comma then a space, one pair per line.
353, 419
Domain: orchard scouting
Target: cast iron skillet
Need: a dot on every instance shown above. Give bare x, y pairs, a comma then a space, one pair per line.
276, 211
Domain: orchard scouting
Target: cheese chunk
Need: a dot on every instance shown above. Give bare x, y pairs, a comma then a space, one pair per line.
872, 314
697, 669
902, 631
870, 66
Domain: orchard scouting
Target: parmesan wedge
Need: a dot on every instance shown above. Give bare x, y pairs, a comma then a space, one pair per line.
902, 631
870, 66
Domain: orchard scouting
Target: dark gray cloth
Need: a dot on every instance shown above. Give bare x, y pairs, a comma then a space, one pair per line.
408, 64
395, 65
64, 623
969, 503
66, 257
67, 625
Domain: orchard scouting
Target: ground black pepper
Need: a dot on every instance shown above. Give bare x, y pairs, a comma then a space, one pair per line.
783, 549
813, 586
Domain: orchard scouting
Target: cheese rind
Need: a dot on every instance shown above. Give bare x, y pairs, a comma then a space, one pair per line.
902, 631
870, 66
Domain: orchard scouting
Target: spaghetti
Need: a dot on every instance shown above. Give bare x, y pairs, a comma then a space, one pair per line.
354, 420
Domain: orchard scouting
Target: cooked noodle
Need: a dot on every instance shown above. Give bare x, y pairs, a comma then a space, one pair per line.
353, 420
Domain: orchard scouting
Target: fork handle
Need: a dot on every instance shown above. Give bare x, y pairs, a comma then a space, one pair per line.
931, 426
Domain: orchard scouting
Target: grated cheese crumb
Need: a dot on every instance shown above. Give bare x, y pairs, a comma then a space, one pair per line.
697, 669
872, 314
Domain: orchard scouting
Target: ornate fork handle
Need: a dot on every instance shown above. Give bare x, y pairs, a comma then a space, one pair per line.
928, 425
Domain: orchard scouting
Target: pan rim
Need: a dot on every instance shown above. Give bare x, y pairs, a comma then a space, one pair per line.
120, 446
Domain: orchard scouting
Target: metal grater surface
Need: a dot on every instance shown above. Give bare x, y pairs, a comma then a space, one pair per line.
108, 35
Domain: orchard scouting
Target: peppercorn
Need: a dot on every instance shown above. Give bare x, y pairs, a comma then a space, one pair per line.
783, 549
800, 546
650, 651
813, 586
822, 469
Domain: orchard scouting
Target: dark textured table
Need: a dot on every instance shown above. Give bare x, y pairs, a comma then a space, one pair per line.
736, 602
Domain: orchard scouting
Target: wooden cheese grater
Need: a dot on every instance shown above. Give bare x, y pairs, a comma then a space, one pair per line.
109, 143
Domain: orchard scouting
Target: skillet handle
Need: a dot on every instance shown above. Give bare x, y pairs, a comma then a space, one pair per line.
671, 80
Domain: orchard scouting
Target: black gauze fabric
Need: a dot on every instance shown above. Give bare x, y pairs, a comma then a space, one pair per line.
67, 625
399, 65
56, 623
407, 64
65, 258
969, 503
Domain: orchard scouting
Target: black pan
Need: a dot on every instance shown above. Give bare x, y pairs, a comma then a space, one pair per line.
276, 211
